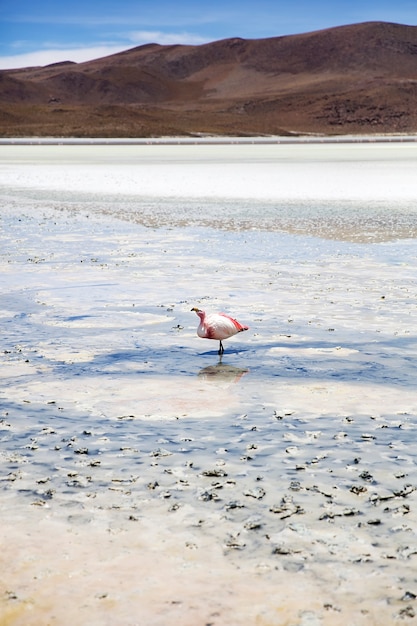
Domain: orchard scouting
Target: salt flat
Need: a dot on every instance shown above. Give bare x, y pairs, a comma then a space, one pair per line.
143, 479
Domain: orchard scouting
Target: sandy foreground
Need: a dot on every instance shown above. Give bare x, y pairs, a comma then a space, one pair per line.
144, 480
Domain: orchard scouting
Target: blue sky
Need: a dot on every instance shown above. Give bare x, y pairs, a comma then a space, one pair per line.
38, 32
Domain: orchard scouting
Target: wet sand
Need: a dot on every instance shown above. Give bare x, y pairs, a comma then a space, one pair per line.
144, 480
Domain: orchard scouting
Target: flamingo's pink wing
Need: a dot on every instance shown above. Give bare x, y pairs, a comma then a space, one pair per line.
238, 325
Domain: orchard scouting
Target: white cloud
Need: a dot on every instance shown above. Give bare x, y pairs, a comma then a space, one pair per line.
46, 57
81, 54
139, 37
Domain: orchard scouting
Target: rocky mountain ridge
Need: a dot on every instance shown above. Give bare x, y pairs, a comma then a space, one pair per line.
360, 78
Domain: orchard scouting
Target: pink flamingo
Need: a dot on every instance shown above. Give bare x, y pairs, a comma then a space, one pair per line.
217, 326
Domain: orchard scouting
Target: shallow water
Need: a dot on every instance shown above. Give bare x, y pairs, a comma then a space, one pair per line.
178, 479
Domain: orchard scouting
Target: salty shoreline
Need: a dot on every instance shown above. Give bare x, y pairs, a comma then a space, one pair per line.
211, 140
145, 481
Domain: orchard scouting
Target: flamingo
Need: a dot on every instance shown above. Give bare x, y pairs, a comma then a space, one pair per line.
217, 326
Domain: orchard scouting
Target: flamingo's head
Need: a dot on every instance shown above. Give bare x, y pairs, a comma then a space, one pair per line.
199, 312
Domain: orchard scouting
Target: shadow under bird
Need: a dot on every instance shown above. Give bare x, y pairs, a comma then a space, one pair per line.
217, 326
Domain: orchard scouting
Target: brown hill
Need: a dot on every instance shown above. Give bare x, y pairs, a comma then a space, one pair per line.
350, 79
